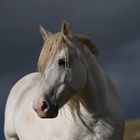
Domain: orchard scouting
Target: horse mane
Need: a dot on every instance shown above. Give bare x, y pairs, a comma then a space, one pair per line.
52, 46
56, 42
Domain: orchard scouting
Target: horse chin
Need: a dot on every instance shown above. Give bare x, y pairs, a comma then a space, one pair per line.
47, 115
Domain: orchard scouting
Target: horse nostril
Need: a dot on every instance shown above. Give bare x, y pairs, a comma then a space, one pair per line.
45, 106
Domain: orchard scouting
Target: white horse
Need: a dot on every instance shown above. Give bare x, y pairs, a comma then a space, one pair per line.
70, 98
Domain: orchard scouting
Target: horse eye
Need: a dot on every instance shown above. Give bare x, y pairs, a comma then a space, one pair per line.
62, 62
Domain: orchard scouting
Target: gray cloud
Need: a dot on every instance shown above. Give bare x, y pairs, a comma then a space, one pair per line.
125, 62
124, 70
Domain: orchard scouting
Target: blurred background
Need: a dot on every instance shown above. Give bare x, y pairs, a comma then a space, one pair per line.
113, 25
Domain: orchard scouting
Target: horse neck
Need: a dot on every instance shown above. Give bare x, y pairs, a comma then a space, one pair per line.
93, 96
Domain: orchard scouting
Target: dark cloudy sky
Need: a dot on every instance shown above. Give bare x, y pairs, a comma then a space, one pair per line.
113, 24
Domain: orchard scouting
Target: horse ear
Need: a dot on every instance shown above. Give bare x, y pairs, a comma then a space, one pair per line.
45, 34
88, 42
66, 29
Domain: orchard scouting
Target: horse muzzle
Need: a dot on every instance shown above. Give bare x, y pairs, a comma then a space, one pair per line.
45, 109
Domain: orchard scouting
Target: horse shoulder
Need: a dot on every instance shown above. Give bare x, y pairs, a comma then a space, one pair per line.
13, 99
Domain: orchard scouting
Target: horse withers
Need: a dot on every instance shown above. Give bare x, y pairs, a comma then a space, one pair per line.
69, 98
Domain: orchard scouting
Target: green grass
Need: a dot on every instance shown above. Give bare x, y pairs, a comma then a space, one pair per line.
132, 130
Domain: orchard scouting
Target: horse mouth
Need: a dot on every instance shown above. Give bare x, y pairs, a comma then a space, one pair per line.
49, 115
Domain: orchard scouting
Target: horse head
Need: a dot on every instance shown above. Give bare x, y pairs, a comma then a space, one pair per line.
63, 69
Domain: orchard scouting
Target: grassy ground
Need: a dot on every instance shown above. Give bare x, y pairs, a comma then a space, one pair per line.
132, 130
